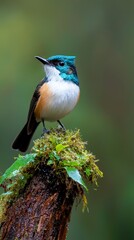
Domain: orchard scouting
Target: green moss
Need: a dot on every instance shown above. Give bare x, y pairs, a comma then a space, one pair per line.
15, 179
65, 152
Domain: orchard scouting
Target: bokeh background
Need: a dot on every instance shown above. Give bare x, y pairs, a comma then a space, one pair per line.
101, 35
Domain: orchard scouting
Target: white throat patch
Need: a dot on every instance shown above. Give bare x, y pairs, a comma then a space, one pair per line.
52, 73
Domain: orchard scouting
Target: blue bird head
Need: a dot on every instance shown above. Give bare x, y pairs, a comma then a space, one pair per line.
65, 65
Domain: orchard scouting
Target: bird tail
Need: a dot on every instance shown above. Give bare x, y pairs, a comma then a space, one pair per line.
22, 141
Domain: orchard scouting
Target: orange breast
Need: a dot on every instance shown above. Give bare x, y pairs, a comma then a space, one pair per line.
45, 95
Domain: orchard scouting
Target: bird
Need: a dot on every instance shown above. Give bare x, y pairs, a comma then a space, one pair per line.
54, 97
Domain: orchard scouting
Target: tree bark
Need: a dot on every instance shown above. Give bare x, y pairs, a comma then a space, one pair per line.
42, 210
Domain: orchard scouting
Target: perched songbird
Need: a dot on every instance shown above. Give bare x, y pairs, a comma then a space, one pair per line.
54, 97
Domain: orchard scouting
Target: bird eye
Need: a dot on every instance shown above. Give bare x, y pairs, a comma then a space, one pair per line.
61, 64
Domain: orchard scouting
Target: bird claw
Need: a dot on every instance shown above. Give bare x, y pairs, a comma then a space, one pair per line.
61, 126
45, 131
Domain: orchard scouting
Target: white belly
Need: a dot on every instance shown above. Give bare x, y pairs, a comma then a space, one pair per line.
64, 97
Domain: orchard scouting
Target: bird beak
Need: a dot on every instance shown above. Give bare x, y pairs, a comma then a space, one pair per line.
42, 60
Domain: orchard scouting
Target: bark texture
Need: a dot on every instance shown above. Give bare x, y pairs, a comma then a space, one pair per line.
42, 210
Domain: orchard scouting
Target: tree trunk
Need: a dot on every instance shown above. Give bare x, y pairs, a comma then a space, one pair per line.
42, 210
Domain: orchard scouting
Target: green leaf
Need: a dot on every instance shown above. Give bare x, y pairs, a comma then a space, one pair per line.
75, 175
13, 170
54, 156
88, 172
50, 162
60, 147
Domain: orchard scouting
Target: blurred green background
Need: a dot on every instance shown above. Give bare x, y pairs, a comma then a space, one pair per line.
101, 35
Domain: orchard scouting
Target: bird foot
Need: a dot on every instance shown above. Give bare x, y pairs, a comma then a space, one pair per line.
61, 126
45, 131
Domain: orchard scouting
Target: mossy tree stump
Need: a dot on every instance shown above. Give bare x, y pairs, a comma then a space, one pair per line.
40, 187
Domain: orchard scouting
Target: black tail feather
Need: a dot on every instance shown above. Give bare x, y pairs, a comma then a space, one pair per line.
22, 141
